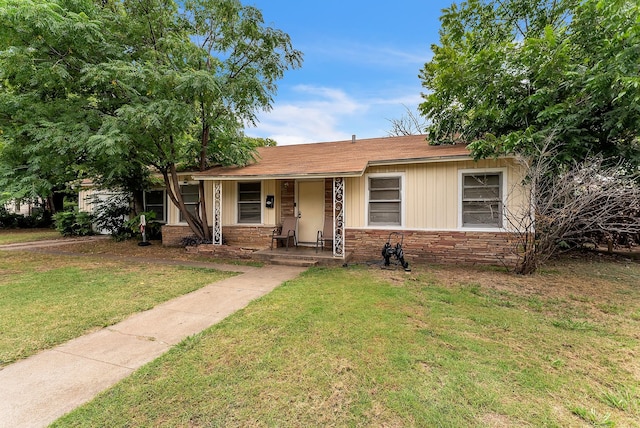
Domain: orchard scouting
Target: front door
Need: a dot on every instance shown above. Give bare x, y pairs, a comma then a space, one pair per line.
310, 204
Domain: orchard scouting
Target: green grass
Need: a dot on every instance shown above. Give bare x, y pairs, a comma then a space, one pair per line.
15, 236
359, 347
46, 300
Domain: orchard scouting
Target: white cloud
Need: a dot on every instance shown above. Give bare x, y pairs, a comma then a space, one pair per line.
316, 114
314, 117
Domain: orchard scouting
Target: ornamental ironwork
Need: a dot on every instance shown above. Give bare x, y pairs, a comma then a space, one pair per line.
338, 217
217, 213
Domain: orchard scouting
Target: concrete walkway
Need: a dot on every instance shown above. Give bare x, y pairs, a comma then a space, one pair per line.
38, 390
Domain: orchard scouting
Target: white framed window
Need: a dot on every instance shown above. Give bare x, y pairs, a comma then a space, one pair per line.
482, 198
250, 202
191, 197
385, 199
156, 201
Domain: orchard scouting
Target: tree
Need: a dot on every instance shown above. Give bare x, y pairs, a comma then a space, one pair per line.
168, 87
44, 121
508, 74
410, 123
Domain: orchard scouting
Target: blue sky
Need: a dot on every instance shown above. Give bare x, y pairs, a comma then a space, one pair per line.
361, 65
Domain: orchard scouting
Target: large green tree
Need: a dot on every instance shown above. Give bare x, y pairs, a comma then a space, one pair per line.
170, 86
508, 75
44, 120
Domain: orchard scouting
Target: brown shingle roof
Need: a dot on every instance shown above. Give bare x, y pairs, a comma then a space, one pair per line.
337, 159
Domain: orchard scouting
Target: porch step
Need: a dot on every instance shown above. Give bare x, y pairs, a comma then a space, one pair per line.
293, 262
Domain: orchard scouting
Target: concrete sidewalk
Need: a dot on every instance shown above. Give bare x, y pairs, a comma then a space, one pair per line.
36, 391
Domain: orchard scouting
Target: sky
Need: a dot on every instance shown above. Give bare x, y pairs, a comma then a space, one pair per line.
360, 69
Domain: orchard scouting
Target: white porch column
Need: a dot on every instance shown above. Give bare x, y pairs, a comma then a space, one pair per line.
217, 212
338, 217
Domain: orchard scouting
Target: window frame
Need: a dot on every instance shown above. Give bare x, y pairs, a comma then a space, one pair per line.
402, 201
258, 201
178, 212
164, 203
502, 174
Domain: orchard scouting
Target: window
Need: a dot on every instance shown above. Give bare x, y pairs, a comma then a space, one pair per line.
154, 200
482, 199
249, 206
191, 197
385, 201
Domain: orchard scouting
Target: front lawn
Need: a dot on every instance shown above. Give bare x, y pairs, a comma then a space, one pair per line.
441, 346
14, 236
48, 299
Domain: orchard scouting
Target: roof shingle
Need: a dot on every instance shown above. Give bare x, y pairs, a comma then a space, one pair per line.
337, 159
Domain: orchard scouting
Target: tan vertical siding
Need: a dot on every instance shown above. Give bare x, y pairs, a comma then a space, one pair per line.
269, 187
354, 202
431, 192
229, 198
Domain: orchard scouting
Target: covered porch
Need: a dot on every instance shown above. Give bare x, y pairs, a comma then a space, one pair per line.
313, 204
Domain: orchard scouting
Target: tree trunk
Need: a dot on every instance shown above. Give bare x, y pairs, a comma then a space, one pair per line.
172, 185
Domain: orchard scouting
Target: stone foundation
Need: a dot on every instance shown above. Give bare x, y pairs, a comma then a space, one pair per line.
255, 237
224, 251
366, 244
172, 235
435, 246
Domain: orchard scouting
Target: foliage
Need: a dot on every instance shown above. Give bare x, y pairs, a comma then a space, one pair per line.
39, 218
193, 241
74, 223
152, 229
115, 87
510, 74
111, 215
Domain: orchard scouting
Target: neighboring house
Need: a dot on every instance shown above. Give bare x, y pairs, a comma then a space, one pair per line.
447, 207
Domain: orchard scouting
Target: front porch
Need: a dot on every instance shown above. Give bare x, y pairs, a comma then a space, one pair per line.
293, 256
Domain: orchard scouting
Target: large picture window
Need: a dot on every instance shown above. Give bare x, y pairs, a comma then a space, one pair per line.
191, 197
249, 203
385, 201
482, 199
154, 200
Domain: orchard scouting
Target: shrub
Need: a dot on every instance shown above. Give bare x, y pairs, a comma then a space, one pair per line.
111, 216
74, 223
152, 229
192, 241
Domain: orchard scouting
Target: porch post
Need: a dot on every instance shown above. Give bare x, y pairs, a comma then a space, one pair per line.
338, 217
217, 212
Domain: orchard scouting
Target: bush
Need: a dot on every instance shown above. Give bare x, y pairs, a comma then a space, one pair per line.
193, 241
152, 230
111, 216
74, 223
8, 220
38, 218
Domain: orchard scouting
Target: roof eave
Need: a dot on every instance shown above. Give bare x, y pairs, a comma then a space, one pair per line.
277, 176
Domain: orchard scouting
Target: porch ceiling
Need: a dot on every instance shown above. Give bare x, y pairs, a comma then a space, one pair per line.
336, 159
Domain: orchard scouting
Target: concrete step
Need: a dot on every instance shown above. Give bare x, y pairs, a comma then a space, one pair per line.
293, 262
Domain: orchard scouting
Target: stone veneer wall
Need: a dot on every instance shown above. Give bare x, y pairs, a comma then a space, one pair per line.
257, 237
241, 236
171, 235
435, 246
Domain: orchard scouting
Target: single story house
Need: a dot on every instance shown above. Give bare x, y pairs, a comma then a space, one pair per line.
446, 206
